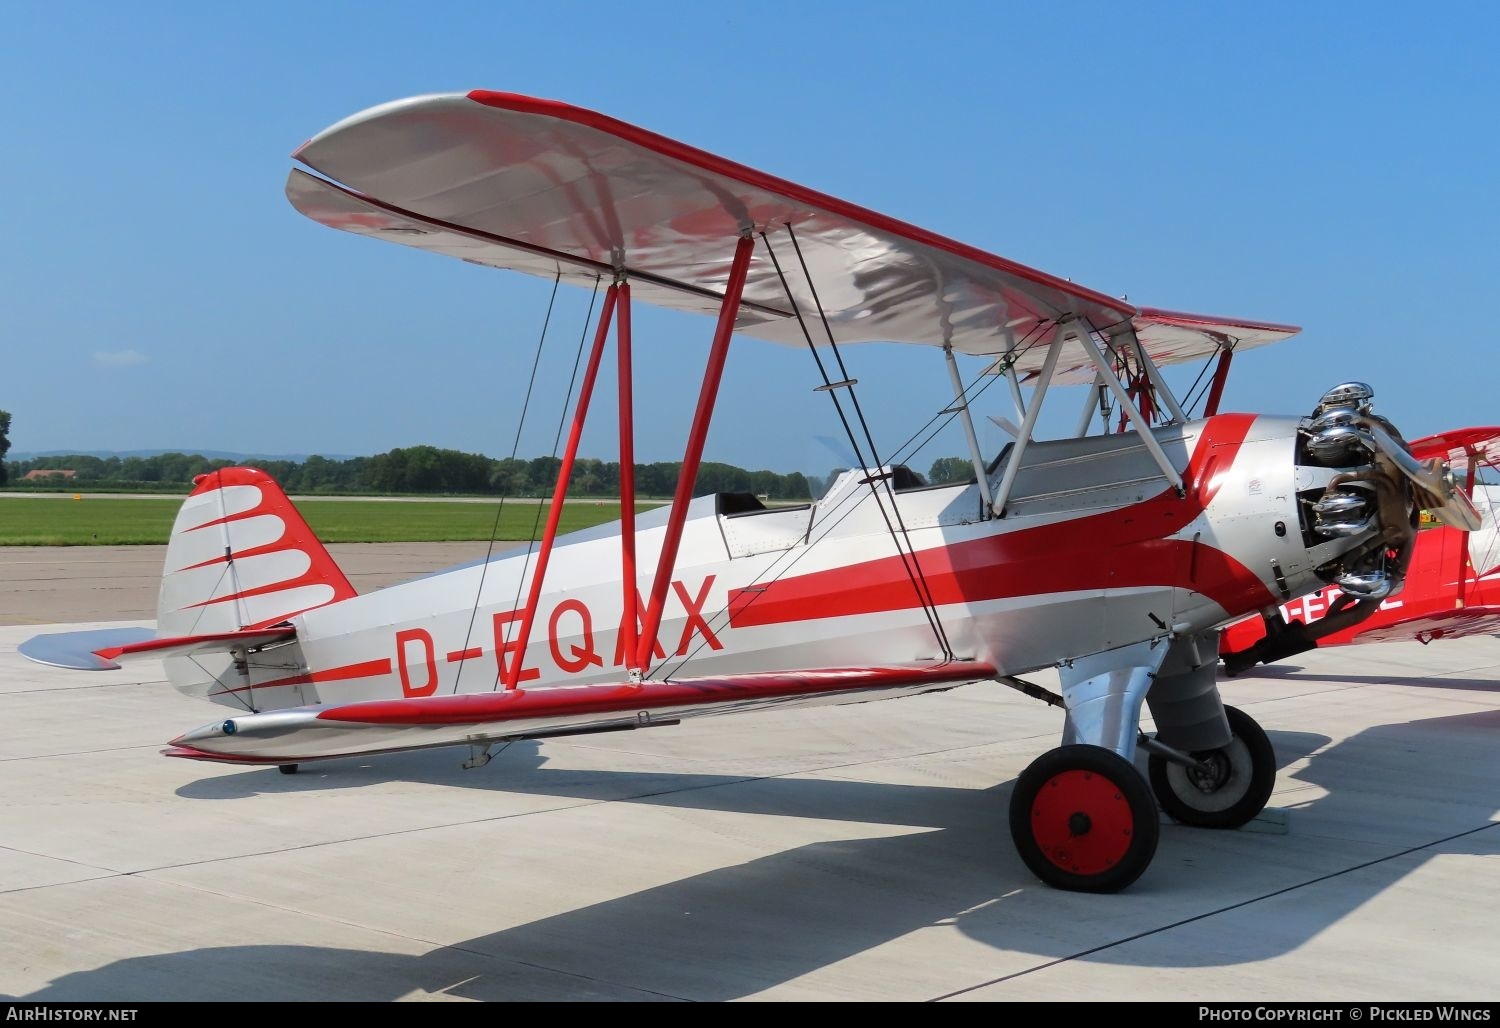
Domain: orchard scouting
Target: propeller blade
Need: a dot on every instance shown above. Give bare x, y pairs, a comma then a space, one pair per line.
1006, 425
1441, 494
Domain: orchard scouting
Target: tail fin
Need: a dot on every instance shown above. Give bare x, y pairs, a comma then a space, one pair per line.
241, 557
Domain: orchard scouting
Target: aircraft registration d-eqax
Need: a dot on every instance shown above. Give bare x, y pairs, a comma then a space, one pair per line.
1113, 557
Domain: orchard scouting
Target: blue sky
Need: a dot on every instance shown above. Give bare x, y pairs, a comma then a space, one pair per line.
1328, 165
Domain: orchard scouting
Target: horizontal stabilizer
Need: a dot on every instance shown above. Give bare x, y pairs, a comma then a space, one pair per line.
79, 651
187, 645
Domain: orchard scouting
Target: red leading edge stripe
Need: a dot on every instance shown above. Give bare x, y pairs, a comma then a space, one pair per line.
706, 161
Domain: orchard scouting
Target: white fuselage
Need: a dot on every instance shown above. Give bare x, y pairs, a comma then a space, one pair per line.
1095, 552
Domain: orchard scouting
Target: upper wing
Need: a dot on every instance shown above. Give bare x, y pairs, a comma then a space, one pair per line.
550, 189
1172, 336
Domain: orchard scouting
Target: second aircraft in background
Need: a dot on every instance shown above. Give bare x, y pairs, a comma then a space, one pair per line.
1452, 586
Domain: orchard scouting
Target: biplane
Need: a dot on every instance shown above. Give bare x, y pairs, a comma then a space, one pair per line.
1113, 557
1452, 585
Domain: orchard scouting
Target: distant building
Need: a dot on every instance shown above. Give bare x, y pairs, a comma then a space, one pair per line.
32, 476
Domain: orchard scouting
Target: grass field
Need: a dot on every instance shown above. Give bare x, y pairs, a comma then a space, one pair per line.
106, 521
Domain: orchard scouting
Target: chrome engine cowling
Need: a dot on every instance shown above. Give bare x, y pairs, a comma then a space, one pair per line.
1370, 493
1359, 500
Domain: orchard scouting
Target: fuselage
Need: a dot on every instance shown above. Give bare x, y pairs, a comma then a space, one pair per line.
1095, 551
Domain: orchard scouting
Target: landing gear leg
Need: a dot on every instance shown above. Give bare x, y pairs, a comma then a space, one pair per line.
1081, 815
1227, 787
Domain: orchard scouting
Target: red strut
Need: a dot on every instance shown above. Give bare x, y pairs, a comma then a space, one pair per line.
630, 621
697, 436
1464, 564
560, 492
1216, 392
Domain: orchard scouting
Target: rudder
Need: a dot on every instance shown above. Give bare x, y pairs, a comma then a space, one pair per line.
240, 557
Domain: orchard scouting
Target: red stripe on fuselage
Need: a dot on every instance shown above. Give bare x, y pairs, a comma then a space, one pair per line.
1117, 549
365, 669
368, 669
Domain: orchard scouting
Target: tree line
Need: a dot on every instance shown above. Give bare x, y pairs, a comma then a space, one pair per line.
413, 469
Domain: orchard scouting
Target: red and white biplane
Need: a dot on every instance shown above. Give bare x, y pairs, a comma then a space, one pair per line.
1452, 585
1114, 558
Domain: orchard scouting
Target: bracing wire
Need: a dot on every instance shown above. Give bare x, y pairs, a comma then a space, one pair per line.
500, 507
562, 419
912, 574
1193, 394
919, 580
831, 519
912, 569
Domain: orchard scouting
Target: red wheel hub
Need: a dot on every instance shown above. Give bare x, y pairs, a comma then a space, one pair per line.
1082, 822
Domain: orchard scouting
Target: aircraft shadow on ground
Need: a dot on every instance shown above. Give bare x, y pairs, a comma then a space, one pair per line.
739, 930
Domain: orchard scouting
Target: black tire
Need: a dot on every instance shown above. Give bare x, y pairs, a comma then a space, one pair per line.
1083, 819
1234, 793
287, 769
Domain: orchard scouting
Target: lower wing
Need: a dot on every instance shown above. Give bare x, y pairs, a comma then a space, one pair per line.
299, 734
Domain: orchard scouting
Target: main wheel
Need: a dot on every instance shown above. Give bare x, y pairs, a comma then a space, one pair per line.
1230, 789
1083, 819
287, 769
